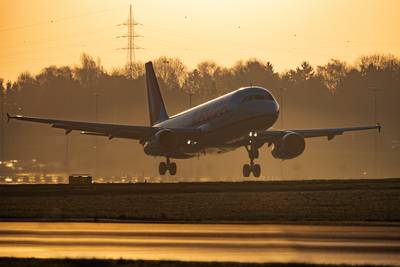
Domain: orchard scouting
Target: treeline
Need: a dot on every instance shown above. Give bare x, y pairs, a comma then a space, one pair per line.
334, 94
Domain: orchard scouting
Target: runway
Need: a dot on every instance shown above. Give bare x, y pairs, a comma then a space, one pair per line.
203, 242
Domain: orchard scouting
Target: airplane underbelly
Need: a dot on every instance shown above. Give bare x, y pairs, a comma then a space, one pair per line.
213, 141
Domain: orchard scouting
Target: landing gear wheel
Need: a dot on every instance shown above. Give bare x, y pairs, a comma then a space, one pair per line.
172, 168
253, 153
162, 168
256, 170
246, 170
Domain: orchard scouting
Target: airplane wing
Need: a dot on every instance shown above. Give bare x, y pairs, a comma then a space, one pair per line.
274, 135
92, 128
141, 133
330, 133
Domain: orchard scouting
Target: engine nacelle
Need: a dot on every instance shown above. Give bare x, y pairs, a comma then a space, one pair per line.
290, 146
162, 141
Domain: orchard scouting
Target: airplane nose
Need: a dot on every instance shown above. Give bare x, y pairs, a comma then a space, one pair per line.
269, 108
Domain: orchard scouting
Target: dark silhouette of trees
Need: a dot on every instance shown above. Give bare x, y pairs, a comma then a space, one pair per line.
332, 74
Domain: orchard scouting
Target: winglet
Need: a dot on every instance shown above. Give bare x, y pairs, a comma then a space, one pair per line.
379, 127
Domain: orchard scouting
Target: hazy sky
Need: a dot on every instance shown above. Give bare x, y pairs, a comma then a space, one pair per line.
35, 34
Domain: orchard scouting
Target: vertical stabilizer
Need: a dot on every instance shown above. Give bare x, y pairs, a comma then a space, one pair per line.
157, 109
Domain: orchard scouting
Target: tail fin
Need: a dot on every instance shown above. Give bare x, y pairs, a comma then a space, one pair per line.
157, 109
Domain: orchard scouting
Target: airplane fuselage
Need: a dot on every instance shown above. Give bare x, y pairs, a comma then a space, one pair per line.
224, 120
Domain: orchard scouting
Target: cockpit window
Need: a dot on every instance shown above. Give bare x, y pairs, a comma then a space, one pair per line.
257, 97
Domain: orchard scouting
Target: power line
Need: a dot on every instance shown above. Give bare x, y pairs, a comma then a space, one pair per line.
41, 41
131, 34
50, 21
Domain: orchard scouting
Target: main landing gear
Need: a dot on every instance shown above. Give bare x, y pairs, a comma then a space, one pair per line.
163, 167
252, 168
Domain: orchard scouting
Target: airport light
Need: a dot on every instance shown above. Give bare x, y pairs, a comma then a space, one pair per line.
375, 90
96, 98
190, 93
2, 120
5, 105
66, 154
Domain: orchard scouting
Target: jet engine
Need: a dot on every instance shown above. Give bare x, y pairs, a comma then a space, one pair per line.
163, 141
290, 146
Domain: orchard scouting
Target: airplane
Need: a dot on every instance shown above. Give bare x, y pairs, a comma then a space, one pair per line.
241, 118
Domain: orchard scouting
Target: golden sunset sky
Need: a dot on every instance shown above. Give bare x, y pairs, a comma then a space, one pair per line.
36, 34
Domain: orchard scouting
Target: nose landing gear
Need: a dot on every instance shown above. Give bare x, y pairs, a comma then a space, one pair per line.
252, 168
163, 167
